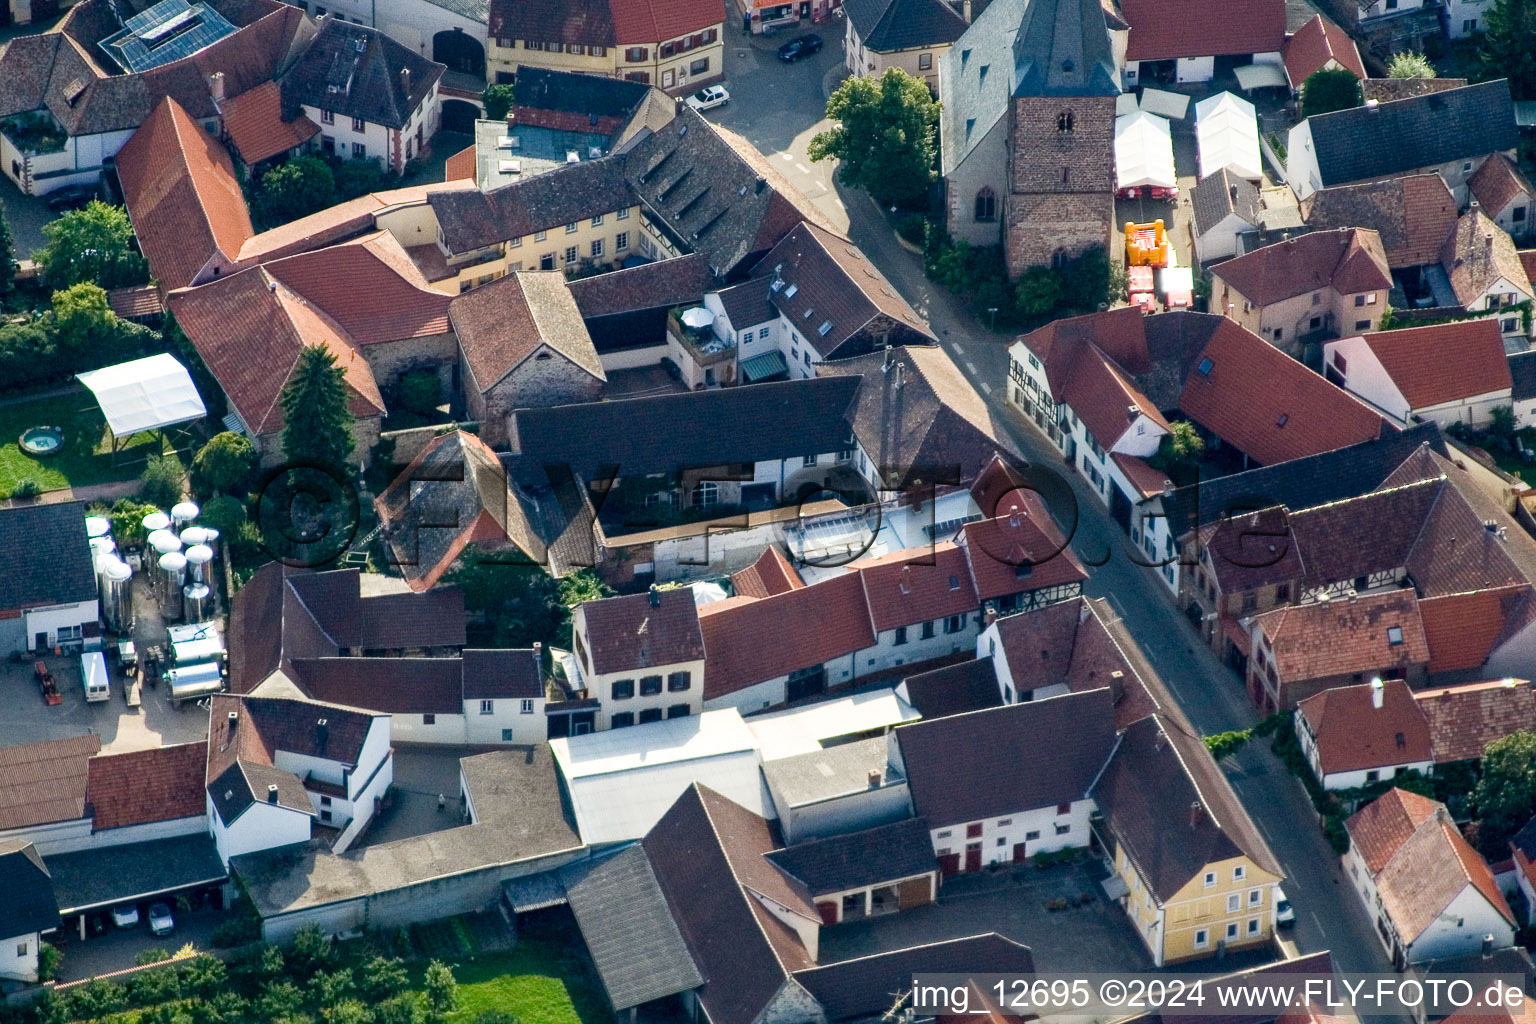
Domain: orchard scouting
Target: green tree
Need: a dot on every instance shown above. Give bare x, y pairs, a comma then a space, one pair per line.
359, 177
1501, 427
420, 391
7, 256
294, 189
81, 317
1038, 291
441, 991
98, 998
48, 955
147, 988
383, 978
885, 135
160, 483
311, 951
498, 101
279, 999
574, 589
203, 975
404, 1008
328, 988
317, 422
153, 955
1085, 280
94, 244
226, 515
1410, 65
1508, 28
347, 1011
1182, 444
1505, 796
1329, 89
1224, 744
223, 464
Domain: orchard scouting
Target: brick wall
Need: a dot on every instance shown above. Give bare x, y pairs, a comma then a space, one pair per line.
1061, 179
536, 383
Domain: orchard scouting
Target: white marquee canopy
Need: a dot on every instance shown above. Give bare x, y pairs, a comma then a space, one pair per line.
144, 394
1227, 131
1143, 152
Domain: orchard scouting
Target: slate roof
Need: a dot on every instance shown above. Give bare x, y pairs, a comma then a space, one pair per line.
1023, 37
921, 419
1464, 719
1457, 124
665, 433
240, 751
1159, 769
470, 219
29, 905
1313, 45
1443, 362
356, 71
254, 122
1499, 182
1268, 406
1217, 196
828, 620
1353, 735
663, 283
1300, 483
396, 686
1164, 29
542, 91
458, 491
746, 304
1477, 254
182, 195
47, 556
885, 26
1412, 214
159, 784
624, 919
1063, 740
865, 988
954, 689
249, 330
1339, 637
631, 633
707, 855
1522, 370
828, 282
44, 782
885, 853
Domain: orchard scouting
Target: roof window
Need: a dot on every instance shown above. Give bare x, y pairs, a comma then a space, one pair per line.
826, 325
1394, 635
1283, 417
789, 292
1204, 369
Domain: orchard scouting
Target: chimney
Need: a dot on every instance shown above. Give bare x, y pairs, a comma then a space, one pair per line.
762, 183
965, 10
906, 579
1378, 693
216, 86
1352, 596
989, 615
1116, 685
1196, 812
655, 596
322, 733
1131, 412
1167, 488
538, 651
272, 793
1488, 243
874, 778
1487, 947
885, 366
1371, 105
234, 720
405, 80
1473, 206
1232, 191
1160, 741
899, 382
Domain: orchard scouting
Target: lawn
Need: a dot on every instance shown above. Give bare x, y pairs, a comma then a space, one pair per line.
87, 454
545, 979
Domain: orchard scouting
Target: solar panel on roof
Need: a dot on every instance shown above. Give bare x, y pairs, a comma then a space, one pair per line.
163, 33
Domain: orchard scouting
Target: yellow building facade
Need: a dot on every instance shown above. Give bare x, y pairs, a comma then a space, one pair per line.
1230, 905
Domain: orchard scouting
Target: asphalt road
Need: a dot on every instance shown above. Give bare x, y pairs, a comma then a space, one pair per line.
779, 108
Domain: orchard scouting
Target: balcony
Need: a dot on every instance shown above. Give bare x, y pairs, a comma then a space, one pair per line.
704, 358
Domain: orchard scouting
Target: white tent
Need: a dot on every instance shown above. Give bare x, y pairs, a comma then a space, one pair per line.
1261, 76
1166, 104
1227, 131
1143, 152
1125, 103
144, 394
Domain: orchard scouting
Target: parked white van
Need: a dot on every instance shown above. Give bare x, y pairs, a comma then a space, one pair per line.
93, 670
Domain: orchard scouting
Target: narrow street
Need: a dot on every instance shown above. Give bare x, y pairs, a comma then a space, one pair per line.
779, 109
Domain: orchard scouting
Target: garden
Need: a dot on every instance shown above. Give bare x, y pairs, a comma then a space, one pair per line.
378, 979
85, 456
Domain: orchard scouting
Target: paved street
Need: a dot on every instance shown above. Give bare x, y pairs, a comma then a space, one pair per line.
779, 108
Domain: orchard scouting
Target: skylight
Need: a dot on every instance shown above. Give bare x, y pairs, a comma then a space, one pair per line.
1394, 635
789, 292
826, 325
1204, 369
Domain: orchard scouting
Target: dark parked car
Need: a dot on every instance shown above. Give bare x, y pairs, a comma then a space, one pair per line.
71, 197
798, 47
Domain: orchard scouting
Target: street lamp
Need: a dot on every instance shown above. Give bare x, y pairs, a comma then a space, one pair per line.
993, 311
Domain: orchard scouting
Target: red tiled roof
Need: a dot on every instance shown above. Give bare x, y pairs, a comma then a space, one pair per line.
506, 321
1353, 735
637, 631
917, 585
1268, 406
182, 196
142, 301
1430, 869
254, 121
1314, 45
1143, 477
655, 21
1528, 263
1103, 397
369, 286
1348, 259
146, 785
771, 574
1462, 628
997, 549
1444, 362
1164, 29
1338, 637
460, 165
1463, 720
1497, 184
335, 223
1381, 827
249, 330
827, 620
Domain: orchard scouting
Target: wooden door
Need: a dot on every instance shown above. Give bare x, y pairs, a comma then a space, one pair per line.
973, 856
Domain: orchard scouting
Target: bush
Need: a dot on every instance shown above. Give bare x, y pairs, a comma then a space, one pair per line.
97, 998
228, 515
420, 391
498, 101
311, 951
48, 958
913, 227
150, 956
1038, 291
224, 463
160, 483
147, 988
27, 488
